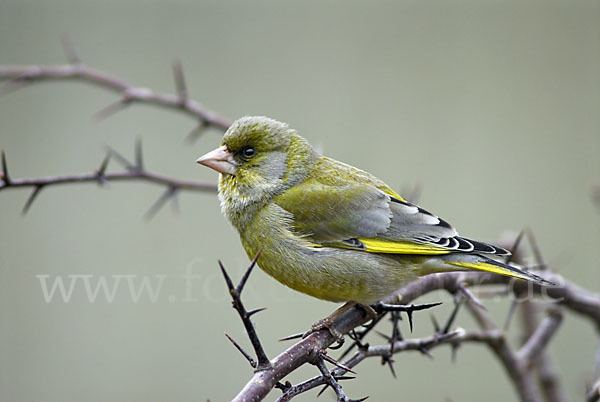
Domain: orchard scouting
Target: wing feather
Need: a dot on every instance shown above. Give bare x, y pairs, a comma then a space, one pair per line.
353, 209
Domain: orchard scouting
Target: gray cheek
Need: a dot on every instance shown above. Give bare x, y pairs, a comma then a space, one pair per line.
273, 167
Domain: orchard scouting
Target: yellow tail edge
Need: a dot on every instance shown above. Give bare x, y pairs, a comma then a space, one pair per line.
501, 269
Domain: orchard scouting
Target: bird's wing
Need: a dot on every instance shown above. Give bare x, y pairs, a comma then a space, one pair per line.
363, 215
325, 213
413, 224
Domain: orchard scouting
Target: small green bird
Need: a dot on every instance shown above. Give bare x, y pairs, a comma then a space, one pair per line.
328, 229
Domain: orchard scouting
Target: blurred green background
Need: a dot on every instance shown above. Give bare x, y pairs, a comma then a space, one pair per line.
492, 106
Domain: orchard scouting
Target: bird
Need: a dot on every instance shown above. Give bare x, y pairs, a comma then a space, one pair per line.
328, 229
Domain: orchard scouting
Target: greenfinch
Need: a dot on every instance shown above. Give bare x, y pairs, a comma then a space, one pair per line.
328, 229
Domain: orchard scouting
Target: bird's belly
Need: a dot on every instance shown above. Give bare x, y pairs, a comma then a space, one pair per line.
333, 274
326, 273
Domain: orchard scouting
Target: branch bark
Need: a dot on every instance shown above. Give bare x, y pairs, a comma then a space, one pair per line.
20, 76
567, 295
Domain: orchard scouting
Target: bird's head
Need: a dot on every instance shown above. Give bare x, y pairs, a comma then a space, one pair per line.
258, 158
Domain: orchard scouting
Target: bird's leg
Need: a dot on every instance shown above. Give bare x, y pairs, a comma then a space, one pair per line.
328, 322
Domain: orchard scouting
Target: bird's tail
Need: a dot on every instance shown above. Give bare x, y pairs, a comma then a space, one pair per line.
480, 263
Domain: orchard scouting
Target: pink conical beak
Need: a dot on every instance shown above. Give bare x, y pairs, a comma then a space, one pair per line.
220, 160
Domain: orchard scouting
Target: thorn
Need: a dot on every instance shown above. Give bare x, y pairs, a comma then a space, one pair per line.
360, 400
180, 85
325, 357
242, 283
111, 109
407, 309
175, 201
32, 197
452, 318
70, 50
396, 334
454, 350
322, 390
510, 314
102, 169
123, 161
242, 351
292, 337
139, 161
158, 204
228, 280
384, 336
514, 247
537, 253
252, 312
196, 132
436, 325
389, 361
5, 176
344, 377
409, 314
14, 85
426, 352
470, 296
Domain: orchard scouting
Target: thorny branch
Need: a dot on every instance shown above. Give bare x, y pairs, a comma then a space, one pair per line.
516, 363
133, 172
542, 366
236, 292
18, 77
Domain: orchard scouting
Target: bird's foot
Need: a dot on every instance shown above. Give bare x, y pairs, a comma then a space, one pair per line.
326, 323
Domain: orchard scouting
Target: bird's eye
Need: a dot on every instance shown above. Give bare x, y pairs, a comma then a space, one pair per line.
248, 152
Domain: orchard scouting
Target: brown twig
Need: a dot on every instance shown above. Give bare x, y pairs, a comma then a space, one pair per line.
331, 380
20, 76
567, 295
548, 378
428, 343
134, 172
542, 364
235, 292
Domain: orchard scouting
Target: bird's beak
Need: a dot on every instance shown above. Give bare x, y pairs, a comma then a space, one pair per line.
220, 160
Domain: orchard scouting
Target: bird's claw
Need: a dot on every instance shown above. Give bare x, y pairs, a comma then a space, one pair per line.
326, 323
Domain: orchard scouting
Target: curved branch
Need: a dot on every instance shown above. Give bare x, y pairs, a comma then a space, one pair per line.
568, 295
20, 76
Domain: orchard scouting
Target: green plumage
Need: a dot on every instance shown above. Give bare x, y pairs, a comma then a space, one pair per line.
326, 228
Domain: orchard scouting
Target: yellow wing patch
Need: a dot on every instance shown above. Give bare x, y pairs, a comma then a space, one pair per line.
401, 247
394, 194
